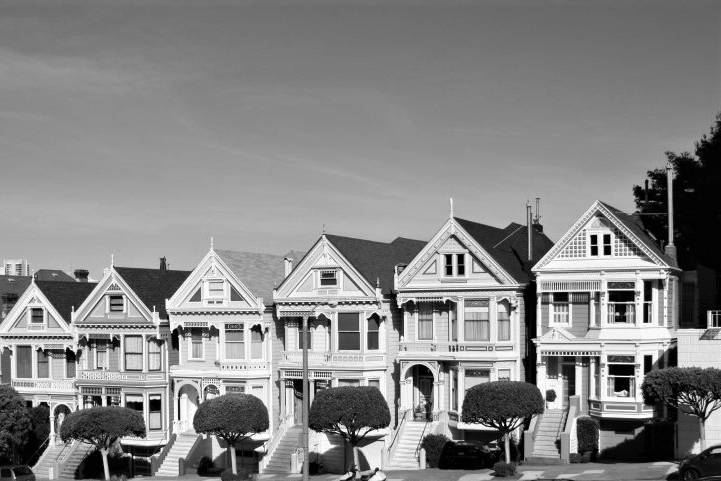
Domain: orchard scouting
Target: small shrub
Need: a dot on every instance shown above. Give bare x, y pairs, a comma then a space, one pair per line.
228, 475
587, 433
550, 395
574, 458
503, 469
204, 465
586, 456
433, 444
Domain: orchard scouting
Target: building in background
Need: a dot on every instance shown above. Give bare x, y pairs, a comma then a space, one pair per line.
607, 313
16, 267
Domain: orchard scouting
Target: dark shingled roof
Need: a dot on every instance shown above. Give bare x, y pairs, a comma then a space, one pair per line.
261, 273
13, 285
65, 295
634, 223
509, 246
153, 286
376, 260
53, 275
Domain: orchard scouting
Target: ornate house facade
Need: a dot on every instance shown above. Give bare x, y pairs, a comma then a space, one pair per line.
123, 339
464, 317
607, 310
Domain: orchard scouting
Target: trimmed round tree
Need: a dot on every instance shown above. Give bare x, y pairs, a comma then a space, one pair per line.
232, 418
102, 427
351, 412
502, 405
15, 424
693, 390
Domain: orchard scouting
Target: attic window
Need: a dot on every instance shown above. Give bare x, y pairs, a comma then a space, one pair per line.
600, 244
216, 289
116, 304
329, 278
37, 315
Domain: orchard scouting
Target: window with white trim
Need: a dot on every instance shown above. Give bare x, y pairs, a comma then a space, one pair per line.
133, 353
43, 363
425, 322
101, 355
503, 318
349, 331
37, 315
116, 303
154, 357
454, 265
504, 374
155, 412
216, 289
234, 341
476, 320
600, 244
196, 344
328, 278
621, 376
560, 308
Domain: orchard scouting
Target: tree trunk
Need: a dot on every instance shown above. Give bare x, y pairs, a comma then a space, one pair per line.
507, 447
356, 460
233, 461
702, 433
106, 468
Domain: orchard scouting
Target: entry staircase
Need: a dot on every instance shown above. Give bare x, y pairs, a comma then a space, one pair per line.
47, 460
180, 449
280, 459
405, 453
547, 442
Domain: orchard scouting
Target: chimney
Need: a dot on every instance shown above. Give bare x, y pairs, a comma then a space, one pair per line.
537, 218
163, 264
670, 247
529, 228
288, 265
81, 275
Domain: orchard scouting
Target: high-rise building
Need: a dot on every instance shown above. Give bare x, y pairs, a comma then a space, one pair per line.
16, 267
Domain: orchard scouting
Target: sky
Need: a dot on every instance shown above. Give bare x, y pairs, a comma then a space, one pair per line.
143, 128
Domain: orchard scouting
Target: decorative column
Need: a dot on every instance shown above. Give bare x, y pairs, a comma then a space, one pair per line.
592, 378
541, 374
145, 353
638, 298
604, 379
461, 388
52, 427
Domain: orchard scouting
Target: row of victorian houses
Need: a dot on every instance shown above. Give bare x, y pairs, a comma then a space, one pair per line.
423, 321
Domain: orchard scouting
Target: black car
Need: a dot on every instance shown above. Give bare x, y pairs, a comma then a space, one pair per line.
702, 465
467, 455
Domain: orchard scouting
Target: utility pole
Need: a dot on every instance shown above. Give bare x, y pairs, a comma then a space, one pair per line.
306, 394
670, 247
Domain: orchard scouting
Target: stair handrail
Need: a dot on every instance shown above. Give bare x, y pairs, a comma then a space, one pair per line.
160, 457
46, 441
565, 435
420, 440
183, 461
271, 444
395, 435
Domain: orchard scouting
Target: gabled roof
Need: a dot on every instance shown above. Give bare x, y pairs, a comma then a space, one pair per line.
13, 284
64, 296
376, 260
634, 223
53, 275
260, 273
509, 246
153, 286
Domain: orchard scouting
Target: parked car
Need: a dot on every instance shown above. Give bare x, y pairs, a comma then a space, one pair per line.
702, 465
16, 473
468, 455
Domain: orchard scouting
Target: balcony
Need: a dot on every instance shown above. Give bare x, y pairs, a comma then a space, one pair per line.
329, 359
115, 376
713, 319
241, 365
628, 408
470, 347
48, 386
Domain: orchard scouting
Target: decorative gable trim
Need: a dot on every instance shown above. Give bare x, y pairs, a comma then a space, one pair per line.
452, 228
557, 334
597, 208
213, 266
113, 282
32, 295
323, 255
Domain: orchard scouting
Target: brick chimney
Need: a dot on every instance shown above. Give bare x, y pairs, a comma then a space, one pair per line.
163, 264
287, 265
81, 275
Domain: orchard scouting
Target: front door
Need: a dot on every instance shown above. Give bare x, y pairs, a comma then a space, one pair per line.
568, 376
426, 390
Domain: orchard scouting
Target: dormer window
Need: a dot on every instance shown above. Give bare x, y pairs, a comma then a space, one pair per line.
454, 265
116, 303
216, 289
600, 244
329, 278
37, 315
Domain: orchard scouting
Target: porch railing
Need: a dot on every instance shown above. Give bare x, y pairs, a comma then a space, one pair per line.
91, 375
395, 434
331, 358
44, 385
271, 444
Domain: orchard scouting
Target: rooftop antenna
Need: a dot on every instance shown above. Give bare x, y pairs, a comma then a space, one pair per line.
537, 219
451, 199
211, 243
112, 260
323, 229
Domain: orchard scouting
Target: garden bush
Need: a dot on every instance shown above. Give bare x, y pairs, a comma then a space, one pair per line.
587, 433
550, 395
228, 475
433, 444
204, 465
574, 458
503, 469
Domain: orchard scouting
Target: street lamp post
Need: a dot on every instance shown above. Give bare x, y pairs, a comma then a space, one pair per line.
306, 394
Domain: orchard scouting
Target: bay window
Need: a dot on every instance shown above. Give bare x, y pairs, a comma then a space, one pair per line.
256, 342
560, 308
101, 355
372, 335
196, 344
425, 322
43, 363
621, 376
474, 377
348, 331
133, 353
504, 322
476, 321
234, 341
621, 302
154, 359
134, 402
155, 412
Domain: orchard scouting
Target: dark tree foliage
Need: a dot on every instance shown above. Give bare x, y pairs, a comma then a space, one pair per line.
351, 412
587, 433
502, 405
233, 418
433, 445
15, 425
102, 427
40, 419
693, 390
696, 200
